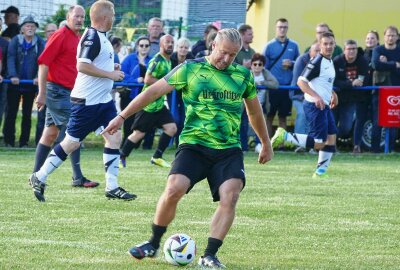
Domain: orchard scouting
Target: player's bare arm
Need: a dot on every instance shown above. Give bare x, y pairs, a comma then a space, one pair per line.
42, 81
149, 79
257, 121
319, 102
158, 89
92, 70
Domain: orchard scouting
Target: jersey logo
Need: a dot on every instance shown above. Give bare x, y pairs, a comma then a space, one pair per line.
88, 43
110, 55
310, 66
203, 76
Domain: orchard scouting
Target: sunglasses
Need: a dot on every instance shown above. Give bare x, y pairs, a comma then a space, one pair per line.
144, 45
257, 64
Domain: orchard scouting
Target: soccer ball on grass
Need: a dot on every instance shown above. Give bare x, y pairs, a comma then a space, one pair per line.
179, 249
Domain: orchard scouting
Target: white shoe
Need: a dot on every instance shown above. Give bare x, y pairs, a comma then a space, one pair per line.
257, 149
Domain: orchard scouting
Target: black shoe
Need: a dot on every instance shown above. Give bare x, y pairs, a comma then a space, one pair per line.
38, 187
210, 262
84, 182
143, 250
120, 193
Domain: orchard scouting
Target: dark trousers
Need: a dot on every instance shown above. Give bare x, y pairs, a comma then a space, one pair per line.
361, 117
244, 129
14, 97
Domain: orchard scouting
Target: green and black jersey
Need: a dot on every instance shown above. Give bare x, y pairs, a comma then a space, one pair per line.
213, 101
158, 68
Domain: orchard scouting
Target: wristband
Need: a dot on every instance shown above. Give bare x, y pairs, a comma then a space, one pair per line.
122, 117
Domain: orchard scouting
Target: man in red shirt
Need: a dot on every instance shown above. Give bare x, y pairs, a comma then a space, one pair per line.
57, 74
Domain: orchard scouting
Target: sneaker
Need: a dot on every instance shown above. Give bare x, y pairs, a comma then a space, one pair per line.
257, 149
84, 182
160, 162
122, 162
320, 176
299, 149
279, 138
356, 149
120, 193
143, 250
38, 187
210, 262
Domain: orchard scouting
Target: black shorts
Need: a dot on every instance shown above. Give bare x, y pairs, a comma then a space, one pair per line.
280, 102
147, 121
217, 165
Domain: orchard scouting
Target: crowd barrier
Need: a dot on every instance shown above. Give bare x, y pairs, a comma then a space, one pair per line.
389, 103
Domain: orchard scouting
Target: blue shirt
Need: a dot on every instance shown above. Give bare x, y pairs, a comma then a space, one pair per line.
271, 52
392, 56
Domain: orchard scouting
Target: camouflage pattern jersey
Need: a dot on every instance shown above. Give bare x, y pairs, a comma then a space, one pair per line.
213, 101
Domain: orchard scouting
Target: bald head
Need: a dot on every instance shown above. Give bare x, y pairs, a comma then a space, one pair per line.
166, 45
102, 15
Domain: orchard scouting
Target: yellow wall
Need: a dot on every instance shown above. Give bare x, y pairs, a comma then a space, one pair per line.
347, 18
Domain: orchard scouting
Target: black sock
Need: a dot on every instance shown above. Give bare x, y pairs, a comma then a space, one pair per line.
128, 147
212, 247
162, 145
42, 151
76, 163
158, 232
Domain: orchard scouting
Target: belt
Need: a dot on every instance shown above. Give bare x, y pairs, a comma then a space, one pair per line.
79, 101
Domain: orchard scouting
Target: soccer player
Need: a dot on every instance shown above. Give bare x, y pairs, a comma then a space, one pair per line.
213, 90
92, 104
316, 82
156, 113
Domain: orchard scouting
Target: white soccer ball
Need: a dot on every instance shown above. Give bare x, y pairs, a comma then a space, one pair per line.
179, 249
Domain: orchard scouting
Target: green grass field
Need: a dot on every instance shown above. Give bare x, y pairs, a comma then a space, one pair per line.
285, 219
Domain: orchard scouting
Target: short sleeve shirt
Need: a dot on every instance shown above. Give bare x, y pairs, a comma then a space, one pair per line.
158, 68
213, 101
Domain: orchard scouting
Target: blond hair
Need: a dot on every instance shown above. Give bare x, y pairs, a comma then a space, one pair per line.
229, 34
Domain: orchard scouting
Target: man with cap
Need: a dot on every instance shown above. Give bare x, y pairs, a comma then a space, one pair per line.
11, 17
22, 55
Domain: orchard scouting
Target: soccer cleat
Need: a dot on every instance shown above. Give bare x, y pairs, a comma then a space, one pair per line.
320, 175
279, 138
38, 187
160, 162
210, 262
120, 193
143, 250
122, 162
84, 182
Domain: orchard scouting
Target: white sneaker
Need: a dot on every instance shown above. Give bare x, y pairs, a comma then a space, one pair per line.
257, 149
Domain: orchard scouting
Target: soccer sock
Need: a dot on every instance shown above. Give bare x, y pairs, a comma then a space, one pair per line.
162, 145
158, 232
54, 160
324, 158
302, 140
212, 247
42, 151
128, 147
111, 161
76, 164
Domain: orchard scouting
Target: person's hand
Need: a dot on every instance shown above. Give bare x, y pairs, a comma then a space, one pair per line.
140, 79
14, 80
117, 75
319, 102
1, 78
117, 66
114, 125
286, 63
357, 83
35, 81
334, 100
266, 153
40, 101
382, 58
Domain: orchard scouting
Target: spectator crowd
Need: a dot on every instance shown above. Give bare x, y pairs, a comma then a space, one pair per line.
374, 63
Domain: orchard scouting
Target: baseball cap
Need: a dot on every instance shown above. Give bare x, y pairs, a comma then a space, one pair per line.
11, 9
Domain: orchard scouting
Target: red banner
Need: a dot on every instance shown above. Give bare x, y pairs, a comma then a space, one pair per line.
389, 107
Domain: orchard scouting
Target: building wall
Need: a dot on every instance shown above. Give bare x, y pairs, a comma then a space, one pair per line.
347, 18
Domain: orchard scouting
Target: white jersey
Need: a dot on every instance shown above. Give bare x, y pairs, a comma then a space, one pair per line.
319, 74
94, 48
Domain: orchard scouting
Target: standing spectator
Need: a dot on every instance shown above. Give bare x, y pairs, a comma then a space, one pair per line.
201, 44
244, 58
3, 72
386, 62
92, 104
134, 67
155, 30
209, 144
23, 52
280, 53
262, 77
297, 96
11, 18
209, 40
316, 82
41, 114
57, 74
323, 28
116, 42
351, 69
180, 55
156, 113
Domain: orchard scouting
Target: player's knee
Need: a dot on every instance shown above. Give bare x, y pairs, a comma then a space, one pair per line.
173, 193
229, 199
171, 129
319, 146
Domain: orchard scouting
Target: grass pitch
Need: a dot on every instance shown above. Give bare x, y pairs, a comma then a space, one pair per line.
285, 219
